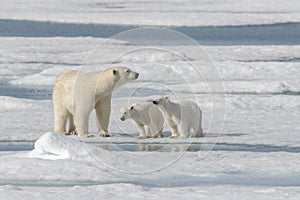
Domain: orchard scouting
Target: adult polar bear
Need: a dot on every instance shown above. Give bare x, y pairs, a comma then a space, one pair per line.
76, 94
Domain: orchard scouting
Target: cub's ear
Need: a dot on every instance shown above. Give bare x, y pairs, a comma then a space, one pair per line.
167, 97
115, 72
131, 107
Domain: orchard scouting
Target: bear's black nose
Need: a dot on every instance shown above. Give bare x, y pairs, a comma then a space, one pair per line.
155, 102
136, 75
122, 118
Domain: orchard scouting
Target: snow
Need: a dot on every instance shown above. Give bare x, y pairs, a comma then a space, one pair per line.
116, 191
249, 96
70, 166
157, 12
9, 103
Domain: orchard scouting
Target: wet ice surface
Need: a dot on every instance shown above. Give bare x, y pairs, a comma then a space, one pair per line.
161, 146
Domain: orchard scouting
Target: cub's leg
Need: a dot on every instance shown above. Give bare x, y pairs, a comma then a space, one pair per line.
141, 129
173, 127
183, 131
159, 134
147, 132
199, 131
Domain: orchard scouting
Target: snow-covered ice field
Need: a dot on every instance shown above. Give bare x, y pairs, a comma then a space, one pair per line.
155, 12
249, 96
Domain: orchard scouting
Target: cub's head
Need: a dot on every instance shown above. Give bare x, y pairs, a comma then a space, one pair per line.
122, 75
126, 112
161, 101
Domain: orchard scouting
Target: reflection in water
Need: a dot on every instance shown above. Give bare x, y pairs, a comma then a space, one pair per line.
171, 147
197, 147
151, 147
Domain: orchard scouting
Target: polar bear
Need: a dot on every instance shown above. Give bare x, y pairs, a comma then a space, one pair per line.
181, 117
147, 118
76, 94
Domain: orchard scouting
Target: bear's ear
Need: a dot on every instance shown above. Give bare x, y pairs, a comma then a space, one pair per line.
114, 71
167, 97
131, 107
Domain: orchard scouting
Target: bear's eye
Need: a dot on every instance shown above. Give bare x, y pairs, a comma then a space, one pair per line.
114, 72
128, 70
131, 108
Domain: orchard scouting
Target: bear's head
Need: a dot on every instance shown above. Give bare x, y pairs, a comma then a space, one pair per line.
126, 112
161, 101
122, 75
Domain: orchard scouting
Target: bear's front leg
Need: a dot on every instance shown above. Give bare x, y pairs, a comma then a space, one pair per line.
141, 131
103, 108
147, 132
72, 129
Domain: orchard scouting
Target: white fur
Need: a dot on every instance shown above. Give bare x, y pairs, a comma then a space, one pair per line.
147, 118
76, 94
181, 117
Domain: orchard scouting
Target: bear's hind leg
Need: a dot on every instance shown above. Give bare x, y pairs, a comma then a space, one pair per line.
72, 129
60, 122
198, 129
60, 111
199, 132
159, 134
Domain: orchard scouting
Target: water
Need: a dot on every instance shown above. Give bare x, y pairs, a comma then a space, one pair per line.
197, 147
26, 92
16, 146
274, 34
172, 147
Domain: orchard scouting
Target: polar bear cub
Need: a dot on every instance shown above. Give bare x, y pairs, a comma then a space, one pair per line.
147, 118
181, 117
